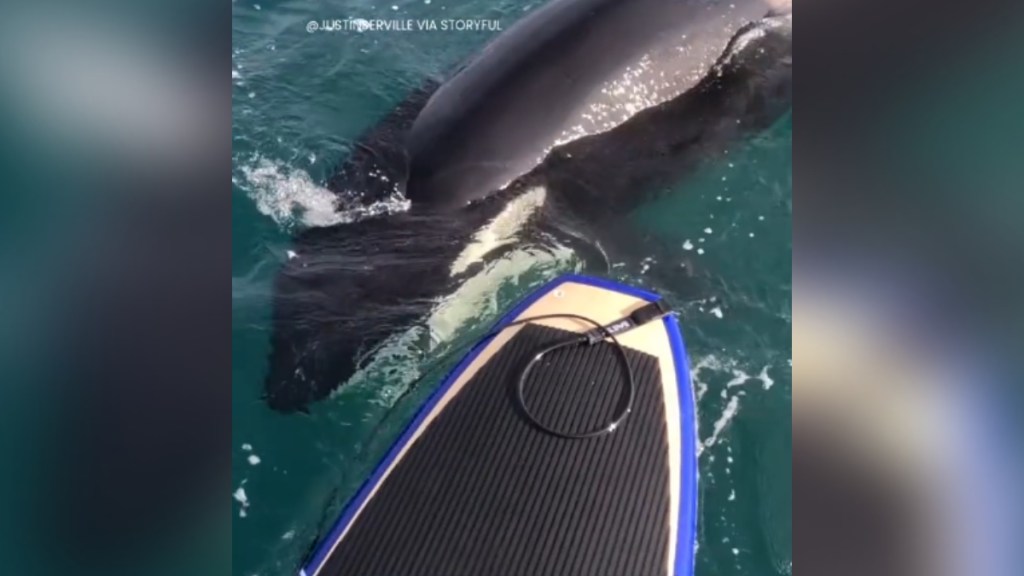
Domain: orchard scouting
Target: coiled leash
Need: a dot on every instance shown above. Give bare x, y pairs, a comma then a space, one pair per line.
643, 315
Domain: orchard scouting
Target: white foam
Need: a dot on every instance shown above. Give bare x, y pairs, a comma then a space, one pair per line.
289, 196
242, 499
254, 460
731, 409
709, 362
702, 388
739, 377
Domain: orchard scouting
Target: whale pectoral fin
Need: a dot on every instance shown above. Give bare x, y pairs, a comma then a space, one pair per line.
339, 296
593, 256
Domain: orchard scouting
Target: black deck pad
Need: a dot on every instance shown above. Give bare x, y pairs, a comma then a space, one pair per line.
482, 492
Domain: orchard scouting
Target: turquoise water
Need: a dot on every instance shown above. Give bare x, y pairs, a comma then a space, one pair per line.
299, 100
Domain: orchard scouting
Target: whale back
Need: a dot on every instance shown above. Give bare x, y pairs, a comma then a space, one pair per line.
572, 68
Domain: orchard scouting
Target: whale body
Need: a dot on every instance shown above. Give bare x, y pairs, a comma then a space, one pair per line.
348, 288
572, 68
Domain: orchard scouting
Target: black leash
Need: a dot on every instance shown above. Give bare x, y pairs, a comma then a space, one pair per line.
643, 315
600, 332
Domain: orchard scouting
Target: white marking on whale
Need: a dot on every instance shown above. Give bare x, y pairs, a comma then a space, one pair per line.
474, 299
501, 230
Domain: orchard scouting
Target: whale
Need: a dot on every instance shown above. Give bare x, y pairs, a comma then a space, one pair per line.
574, 68
568, 69
345, 290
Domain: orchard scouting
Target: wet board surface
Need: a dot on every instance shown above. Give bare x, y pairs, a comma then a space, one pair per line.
472, 487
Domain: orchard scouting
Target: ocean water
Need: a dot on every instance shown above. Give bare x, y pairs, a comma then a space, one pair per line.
300, 99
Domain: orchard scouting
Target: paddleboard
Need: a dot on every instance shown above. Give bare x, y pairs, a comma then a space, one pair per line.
562, 444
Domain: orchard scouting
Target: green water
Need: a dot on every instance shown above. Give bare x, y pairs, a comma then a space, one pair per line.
299, 99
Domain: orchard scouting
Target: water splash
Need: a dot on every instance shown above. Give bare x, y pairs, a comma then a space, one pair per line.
291, 198
737, 378
731, 409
